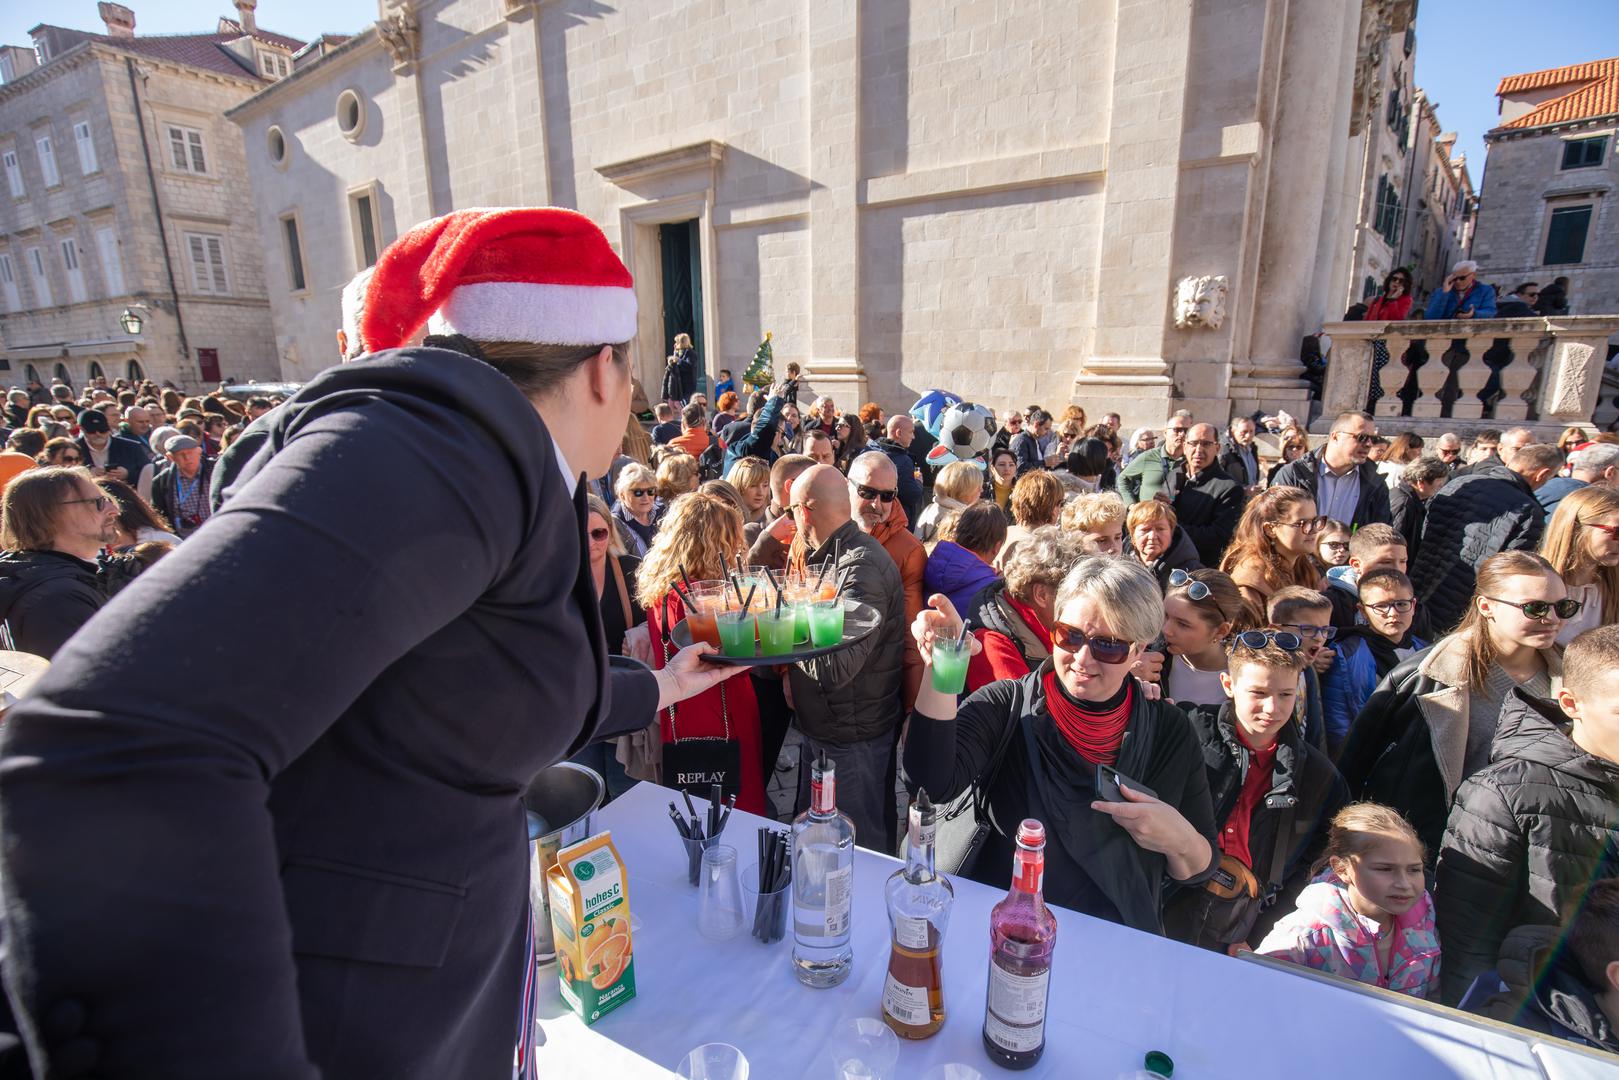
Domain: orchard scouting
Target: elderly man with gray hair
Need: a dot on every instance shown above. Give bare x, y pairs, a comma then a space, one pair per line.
1463, 297
1593, 463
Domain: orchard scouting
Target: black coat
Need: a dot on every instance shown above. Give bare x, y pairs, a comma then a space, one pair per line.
1182, 555
1526, 835
910, 488
327, 873
1207, 508
1233, 460
680, 377
45, 596
1410, 511
1487, 510
1301, 778
1372, 507
131, 455
1159, 750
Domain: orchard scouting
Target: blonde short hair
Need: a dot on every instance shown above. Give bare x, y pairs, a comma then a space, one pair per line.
634, 475
1093, 512
677, 475
959, 480
1123, 588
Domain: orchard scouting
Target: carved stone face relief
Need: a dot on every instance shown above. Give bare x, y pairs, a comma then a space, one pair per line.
1200, 301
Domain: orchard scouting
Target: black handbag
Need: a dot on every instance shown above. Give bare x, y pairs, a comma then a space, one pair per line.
1230, 902
964, 824
696, 764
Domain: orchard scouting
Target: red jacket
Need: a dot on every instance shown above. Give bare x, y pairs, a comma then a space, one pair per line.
1382, 309
1000, 657
701, 715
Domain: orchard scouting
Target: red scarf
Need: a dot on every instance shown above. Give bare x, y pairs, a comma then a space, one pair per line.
1094, 735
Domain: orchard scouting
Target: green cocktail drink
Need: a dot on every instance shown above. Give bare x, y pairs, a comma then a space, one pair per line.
950, 666
826, 623
801, 633
776, 631
736, 633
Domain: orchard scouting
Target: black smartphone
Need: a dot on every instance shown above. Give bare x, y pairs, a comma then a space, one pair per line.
1107, 785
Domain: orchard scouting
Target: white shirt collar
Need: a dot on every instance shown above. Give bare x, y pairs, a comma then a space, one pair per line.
569, 480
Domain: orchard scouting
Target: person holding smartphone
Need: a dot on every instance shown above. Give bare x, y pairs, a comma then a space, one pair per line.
1078, 721
1463, 297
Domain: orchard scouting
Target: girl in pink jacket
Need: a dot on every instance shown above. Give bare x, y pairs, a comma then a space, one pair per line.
1367, 914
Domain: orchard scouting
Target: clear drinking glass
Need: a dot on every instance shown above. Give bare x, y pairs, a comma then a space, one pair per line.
719, 900
714, 1061
864, 1048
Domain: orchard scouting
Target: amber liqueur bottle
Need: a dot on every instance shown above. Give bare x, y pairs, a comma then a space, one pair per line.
919, 900
1023, 935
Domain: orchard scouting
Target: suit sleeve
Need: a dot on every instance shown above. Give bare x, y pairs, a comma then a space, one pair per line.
1481, 874
139, 853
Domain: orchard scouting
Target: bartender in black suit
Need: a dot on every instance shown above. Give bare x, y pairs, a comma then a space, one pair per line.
261, 818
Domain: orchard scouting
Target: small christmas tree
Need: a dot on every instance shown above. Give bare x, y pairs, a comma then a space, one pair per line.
761, 374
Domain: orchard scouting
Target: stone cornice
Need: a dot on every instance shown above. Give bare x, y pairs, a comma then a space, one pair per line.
1509, 134
58, 66
702, 155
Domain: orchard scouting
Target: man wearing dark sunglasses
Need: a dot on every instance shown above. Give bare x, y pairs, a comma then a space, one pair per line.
56, 523
874, 495
1340, 476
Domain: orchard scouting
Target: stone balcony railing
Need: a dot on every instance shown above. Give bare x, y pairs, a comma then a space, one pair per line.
1462, 375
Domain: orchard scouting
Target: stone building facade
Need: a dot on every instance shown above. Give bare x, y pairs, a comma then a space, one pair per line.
1437, 230
1546, 211
123, 188
1134, 204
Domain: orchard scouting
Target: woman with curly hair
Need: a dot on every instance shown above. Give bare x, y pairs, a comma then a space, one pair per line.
1273, 545
700, 535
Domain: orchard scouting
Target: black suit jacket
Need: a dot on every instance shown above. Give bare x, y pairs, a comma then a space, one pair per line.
128, 454
289, 842
1208, 508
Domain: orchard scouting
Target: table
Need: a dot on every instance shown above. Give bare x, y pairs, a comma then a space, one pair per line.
1116, 993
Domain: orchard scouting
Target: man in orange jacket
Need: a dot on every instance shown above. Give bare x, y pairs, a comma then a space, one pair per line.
874, 499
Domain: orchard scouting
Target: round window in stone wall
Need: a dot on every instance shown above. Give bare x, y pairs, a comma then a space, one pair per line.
350, 114
276, 144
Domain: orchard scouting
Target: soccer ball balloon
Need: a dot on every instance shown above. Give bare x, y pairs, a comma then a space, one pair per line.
964, 431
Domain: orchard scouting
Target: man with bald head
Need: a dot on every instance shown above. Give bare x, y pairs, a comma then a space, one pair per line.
873, 494
768, 543
898, 434
848, 702
1207, 500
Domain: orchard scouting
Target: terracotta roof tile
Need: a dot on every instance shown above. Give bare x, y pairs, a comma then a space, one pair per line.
206, 51
1593, 91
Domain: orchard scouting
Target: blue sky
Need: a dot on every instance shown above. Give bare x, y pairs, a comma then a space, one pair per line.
1463, 46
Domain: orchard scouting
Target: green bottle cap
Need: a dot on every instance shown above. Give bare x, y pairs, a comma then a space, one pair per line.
1159, 1062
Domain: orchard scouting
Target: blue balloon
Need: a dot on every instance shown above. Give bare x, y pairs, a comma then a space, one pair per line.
930, 407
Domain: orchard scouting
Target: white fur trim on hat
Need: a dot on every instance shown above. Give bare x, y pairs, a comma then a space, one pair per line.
544, 314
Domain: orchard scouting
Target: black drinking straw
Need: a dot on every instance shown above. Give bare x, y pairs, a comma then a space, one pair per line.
684, 578
748, 603
843, 579
962, 640
774, 584
825, 566
685, 597
736, 586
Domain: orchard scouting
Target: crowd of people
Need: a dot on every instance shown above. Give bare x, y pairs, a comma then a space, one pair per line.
1341, 685
134, 462
1355, 706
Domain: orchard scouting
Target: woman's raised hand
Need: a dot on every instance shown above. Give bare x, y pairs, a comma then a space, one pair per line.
938, 620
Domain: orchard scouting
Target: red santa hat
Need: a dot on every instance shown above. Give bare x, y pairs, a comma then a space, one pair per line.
539, 274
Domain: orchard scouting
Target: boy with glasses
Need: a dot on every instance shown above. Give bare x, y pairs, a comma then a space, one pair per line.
1376, 547
1308, 614
1368, 651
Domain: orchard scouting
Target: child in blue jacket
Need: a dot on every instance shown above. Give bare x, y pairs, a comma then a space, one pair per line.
1367, 652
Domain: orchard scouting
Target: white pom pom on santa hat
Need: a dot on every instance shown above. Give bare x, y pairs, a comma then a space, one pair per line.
539, 274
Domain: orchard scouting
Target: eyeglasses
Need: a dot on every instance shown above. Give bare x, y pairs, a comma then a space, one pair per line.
1335, 545
1389, 607
1207, 444
101, 502
1304, 630
1258, 639
1566, 608
1106, 650
1361, 438
1444, 453
1195, 590
641, 493
1611, 530
876, 493
76, 459
1308, 528
1176, 430
1013, 421
598, 536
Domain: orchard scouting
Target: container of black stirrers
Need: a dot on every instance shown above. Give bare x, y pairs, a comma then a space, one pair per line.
768, 885
700, 833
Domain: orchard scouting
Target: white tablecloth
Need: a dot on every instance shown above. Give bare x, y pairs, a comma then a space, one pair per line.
1115, 994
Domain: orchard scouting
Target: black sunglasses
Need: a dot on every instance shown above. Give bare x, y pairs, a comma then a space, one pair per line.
641, 493
598, 535
1258, 639
1566, 608
876, 493
1106, 650
1361, 439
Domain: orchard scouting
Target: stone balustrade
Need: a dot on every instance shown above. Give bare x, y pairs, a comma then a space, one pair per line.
1465, 374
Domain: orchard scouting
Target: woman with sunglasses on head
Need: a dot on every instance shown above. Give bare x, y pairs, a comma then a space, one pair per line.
1582, 544
698, 540
637, 492
1077, 720
612, 572
1274, 545
1201, 611
1429, 724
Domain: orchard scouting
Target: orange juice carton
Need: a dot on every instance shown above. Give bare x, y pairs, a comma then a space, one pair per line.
590, 921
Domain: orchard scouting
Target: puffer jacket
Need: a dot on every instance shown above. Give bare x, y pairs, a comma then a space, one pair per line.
1537, 986
1014, 641
1372, 507
1488, 510
1325, 934
45, 596
957, 573
1526, 834
1302, 779
854, 694
1407, 746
